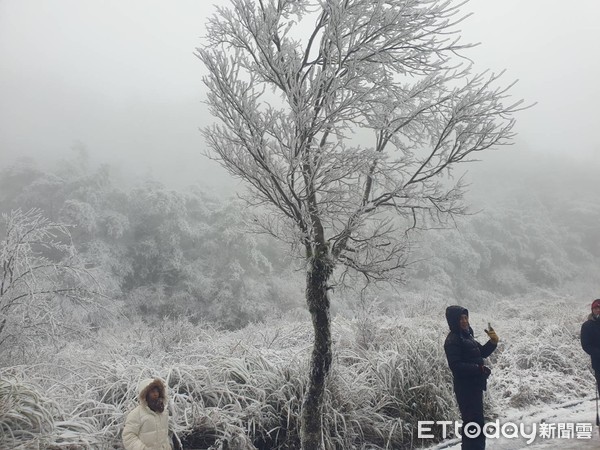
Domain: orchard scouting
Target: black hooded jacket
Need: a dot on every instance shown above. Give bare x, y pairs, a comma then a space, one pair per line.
590, 340
465, 355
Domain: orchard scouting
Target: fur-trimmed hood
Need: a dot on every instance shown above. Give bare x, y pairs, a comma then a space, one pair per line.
145, 428
148, 384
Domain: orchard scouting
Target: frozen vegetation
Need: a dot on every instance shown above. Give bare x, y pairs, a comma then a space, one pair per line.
245, 386
179, 289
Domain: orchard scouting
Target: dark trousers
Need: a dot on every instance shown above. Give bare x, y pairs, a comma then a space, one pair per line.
470, 403
597, 374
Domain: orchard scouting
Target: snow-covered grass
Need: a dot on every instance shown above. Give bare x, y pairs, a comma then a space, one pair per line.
246, 387
540, 361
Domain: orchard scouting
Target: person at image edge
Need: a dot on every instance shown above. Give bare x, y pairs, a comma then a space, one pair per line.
590, 338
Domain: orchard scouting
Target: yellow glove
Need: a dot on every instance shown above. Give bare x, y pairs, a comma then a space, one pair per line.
491, 334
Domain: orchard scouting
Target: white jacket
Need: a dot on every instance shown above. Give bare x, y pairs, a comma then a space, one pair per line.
144, 428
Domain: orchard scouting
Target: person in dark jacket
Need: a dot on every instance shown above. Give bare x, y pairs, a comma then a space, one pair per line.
590, 338
465, 358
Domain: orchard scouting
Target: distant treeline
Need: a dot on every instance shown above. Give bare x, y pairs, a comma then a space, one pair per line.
172, 253
163, 252
535, 226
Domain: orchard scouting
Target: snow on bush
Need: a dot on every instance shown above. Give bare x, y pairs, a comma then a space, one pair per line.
244, 389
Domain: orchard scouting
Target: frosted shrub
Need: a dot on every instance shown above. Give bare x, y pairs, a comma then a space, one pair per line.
404, 381
29, 419
24, 414
244, 389
539, 359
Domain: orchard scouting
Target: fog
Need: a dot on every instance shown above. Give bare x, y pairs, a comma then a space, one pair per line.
161, 281
121, 79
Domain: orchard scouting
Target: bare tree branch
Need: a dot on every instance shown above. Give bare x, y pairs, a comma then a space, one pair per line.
297, 85
39, 271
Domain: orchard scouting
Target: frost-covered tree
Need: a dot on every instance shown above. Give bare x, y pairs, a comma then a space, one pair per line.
41, 279
345, 118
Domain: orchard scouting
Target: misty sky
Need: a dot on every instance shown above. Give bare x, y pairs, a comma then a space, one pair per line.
120, 77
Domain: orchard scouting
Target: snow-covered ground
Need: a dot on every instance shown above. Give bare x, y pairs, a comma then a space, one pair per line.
573, 414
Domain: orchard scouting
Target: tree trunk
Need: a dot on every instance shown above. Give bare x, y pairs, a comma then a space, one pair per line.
311, 432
